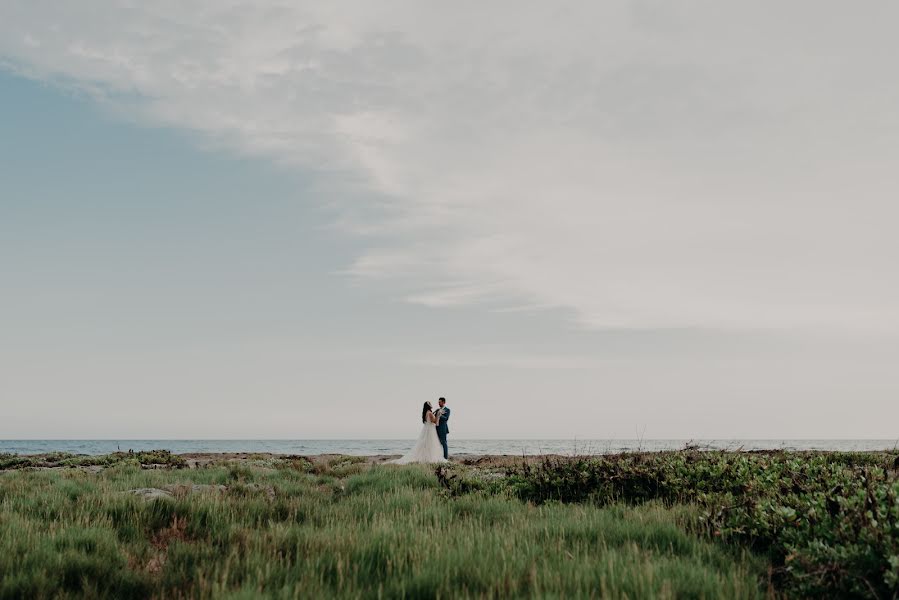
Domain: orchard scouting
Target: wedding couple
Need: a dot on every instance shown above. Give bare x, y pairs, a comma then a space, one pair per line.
431, 445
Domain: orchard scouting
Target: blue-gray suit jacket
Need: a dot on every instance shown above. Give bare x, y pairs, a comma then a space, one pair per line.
442, 428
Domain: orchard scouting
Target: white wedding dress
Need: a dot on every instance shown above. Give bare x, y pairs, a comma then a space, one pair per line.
427, 448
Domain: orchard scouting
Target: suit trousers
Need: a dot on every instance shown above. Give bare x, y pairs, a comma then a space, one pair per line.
442, 437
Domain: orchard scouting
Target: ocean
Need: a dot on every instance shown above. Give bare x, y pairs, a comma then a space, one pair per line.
457, 446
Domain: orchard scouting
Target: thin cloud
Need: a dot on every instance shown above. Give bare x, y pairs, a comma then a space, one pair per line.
638, 164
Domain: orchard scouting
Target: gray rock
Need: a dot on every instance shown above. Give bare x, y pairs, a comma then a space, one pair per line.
195, 488
151, 493
266, 489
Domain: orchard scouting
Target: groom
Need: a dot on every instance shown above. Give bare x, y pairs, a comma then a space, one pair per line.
443, 415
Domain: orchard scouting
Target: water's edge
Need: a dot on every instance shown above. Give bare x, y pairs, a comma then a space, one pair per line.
482, 447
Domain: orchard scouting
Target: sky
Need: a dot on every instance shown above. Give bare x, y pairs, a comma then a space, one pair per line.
267, 219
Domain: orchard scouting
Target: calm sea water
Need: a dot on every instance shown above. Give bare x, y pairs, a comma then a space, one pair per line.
369, 447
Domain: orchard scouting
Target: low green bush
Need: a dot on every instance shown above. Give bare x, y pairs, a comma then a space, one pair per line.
156, 458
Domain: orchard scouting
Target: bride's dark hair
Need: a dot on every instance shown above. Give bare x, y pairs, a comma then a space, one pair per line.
424, 412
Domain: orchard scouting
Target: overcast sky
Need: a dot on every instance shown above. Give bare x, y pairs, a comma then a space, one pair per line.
572, 219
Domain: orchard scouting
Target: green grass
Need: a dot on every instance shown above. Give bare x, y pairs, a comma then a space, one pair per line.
298, 530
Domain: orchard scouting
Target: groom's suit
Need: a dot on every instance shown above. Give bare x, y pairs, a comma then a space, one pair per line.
443, 429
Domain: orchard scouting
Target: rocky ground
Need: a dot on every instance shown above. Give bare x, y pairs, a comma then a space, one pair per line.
160, 459
201, 459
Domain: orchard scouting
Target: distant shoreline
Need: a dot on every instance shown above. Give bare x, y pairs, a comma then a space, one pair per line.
458, 446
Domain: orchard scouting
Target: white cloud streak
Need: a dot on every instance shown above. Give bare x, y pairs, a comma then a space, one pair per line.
640, 164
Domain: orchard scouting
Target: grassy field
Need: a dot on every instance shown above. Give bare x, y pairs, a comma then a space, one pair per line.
670, 525
288, 529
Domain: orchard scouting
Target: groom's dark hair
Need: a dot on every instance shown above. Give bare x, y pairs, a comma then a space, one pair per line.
441, 400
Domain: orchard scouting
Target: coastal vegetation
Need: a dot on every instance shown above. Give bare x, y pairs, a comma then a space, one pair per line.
152, 458
827, 523
653, 525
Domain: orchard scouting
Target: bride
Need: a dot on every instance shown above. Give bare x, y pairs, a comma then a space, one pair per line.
427, 449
